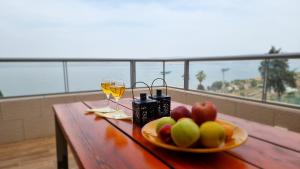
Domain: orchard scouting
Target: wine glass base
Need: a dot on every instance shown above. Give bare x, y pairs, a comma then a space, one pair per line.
109, 109
104, 110
118, 115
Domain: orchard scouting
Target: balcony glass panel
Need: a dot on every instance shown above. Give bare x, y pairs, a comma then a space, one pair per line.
85, 76
31, 78
237, 78
174, 74
283, 83
148, 71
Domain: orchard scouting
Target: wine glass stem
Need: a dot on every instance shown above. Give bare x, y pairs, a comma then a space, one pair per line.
107, 98
117, 104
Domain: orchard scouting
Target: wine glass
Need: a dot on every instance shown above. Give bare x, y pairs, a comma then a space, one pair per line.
105, 85
117, 90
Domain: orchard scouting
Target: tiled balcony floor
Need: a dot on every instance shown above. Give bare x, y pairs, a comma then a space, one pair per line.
31, 154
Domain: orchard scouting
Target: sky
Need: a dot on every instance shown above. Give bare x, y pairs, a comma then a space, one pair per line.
146, 29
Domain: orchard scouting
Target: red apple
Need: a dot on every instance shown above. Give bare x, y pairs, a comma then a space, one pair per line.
180, 112
202, 112
165, 133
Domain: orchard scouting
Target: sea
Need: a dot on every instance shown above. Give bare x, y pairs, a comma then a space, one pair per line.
31, 78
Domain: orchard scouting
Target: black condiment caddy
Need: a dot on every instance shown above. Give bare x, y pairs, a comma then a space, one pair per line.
163, 100
146, 109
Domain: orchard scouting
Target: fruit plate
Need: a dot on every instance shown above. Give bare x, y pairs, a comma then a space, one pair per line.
239, 137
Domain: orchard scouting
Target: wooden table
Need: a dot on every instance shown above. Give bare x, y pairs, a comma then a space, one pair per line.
107, 143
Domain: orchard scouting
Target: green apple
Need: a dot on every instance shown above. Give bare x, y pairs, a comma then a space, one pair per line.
185, 132
212, 134
162, 121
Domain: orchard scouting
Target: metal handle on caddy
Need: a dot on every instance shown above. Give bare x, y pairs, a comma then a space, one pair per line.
142, 83
165, 83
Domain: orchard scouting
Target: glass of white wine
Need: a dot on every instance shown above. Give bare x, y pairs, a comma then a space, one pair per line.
117, 90
105, 86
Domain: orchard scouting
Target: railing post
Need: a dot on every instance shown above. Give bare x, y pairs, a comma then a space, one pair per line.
66, 77
164, 72
265, 80
186, 74
132, 72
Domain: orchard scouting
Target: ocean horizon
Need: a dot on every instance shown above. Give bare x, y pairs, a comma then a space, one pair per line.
30, 78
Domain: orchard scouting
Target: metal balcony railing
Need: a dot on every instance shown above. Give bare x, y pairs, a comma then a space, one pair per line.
133, 71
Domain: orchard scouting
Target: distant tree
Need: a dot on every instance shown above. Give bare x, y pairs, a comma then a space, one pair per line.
165, 72
1, 94
200, 76
226, 84
239, 83
278, 74
253, 83
217, 85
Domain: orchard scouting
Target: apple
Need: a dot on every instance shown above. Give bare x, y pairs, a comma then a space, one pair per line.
165, 133
185, 132
180, 112
162, 121
202, 112
212, 134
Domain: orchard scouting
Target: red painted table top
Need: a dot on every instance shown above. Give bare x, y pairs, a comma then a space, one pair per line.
107, 143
